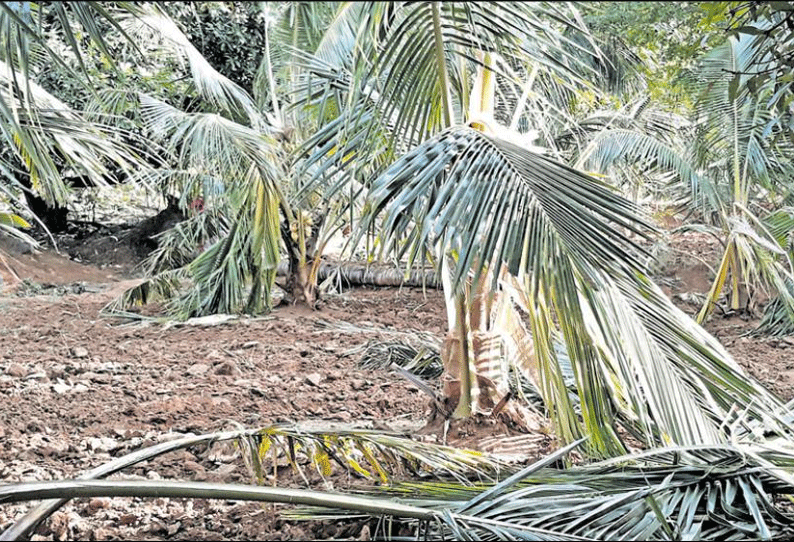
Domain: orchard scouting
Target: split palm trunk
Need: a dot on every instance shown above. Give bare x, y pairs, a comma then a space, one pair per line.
473, 353
476, 378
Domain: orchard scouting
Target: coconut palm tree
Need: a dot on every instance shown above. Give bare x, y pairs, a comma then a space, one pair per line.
498, 218
438, 87
732, 167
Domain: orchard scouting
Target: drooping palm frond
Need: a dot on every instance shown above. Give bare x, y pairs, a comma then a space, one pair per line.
717, 492
632, 352
419, 188
729, 498
149, 23
47, 136
368, 454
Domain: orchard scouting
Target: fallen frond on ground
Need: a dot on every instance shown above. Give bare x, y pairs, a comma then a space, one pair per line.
716, 492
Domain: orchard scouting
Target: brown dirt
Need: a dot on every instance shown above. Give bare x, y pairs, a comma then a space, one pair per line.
78, 389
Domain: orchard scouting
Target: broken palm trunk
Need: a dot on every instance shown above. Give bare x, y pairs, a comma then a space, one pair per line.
479, 351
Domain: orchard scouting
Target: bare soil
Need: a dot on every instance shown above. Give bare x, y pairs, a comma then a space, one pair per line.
78, 388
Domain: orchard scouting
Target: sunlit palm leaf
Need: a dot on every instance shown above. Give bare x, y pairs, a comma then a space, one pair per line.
40, 127
148, 22
377, 456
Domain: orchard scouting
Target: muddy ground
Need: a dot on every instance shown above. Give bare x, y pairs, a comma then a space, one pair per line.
79, 389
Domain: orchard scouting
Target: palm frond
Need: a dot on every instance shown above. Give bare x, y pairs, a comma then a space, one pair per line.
354, 450
722, 492
371, 455
632, 352
701, 492
420, 186
38, 128
648, 155
149, 23
423, 361
207, 142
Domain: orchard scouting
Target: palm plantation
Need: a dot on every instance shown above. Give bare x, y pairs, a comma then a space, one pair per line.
482, 140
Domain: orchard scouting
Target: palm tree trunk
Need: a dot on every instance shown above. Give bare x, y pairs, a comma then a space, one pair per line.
357, 274
301, 279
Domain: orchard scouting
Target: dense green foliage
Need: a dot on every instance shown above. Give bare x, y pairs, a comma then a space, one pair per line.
659, 41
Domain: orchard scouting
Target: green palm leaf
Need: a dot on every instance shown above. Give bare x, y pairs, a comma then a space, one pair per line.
39, 127
632, 352
149, 23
